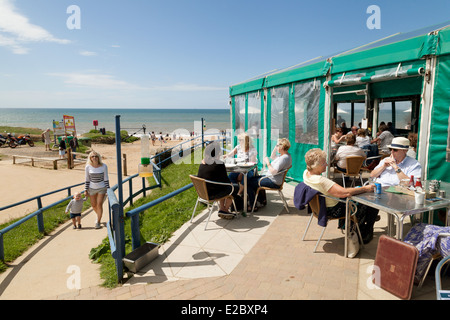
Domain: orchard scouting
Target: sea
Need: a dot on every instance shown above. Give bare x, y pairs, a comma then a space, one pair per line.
131, 120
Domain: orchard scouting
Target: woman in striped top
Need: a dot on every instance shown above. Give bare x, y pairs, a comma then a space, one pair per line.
97, 182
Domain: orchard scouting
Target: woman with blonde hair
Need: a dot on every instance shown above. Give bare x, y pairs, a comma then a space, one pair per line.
282, 161
246, 152
316, 164
97, 182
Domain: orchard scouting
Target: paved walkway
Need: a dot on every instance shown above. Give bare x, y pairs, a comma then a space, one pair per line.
258, 257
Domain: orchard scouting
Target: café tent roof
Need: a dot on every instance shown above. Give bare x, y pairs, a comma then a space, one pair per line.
397, 48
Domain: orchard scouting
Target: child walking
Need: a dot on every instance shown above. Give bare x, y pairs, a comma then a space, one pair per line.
75, 207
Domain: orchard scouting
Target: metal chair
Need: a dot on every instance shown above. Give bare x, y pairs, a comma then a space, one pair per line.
315, 208
200, 186
280, 189
354, 164
441, 294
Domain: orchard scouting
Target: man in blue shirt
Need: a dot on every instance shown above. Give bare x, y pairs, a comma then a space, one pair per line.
398, 166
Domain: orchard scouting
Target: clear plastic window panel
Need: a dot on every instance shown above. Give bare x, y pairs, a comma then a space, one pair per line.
306, 113
254, 114
239, 112
280, 113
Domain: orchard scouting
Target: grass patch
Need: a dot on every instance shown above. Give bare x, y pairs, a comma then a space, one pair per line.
159, 222
20, 130
21, 238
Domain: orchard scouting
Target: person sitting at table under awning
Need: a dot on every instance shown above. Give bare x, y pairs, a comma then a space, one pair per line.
398, 166
316, 164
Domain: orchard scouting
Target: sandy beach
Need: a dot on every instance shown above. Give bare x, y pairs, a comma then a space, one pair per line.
21, 181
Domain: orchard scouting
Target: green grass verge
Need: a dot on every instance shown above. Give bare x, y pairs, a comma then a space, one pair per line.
21, 238
159, 222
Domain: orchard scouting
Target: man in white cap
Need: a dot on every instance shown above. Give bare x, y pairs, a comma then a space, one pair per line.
398, 166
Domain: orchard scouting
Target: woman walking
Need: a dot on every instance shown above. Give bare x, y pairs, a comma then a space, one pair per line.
97, 182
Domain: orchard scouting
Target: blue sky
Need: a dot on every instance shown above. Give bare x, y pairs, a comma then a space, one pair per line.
176, 53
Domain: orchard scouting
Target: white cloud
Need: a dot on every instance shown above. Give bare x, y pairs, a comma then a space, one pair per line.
187, 87
109, 82
16, 30
95, 81
88, 53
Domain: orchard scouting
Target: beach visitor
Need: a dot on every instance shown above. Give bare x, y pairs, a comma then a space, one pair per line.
338, 137
97, 182
62, 147
346, 151
391, 170
245, 152
161, 138
46, 137
213, 169
412, 152
75, 207
276, 169
384, 138
153, 137
316, 164
362, 140
73, 145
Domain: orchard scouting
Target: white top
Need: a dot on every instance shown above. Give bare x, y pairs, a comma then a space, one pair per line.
385, 140
345, 151
279, 164
241, 154
409, 166
96, 178
362, 141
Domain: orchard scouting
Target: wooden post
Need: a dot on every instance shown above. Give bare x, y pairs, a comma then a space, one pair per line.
124, 160
69, 158
55, 164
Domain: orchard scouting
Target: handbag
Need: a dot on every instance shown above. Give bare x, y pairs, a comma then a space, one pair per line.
353, 242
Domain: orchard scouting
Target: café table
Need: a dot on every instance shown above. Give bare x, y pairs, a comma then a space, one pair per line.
244, 168
398, 206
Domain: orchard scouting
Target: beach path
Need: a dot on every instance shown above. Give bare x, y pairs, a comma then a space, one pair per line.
58, 264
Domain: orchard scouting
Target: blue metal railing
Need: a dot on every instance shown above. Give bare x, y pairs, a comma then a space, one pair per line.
38, 213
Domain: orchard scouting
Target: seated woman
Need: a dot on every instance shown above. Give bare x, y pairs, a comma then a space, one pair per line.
345, 151
213, 169
274, 179
338, 137
245, 151
362, 140
316, 164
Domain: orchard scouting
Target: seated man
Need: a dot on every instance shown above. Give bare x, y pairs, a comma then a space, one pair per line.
398, 166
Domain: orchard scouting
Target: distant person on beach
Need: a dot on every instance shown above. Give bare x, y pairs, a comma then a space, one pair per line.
75, 207
46, 138
161, 138
153, 137
62, 147
97, 182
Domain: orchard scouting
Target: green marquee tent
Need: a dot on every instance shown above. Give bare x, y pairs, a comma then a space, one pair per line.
403, 79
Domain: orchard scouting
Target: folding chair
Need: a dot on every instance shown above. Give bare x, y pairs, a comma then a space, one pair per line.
203, 197
354, 164
315, 208
279, 189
